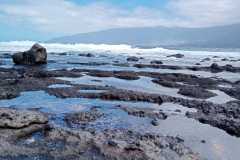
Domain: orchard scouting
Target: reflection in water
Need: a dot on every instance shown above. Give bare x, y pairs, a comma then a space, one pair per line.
218, 144
220, 98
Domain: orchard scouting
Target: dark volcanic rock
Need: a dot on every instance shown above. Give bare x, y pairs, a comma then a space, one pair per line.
230, 68
155, 122
144, 112
230, 125
233, 92
226, 117
225, 59
156, 62
110, 144
12, 118
133, 59
126, 75
176, 55
157, 66
36, 55
206, 59
9, 92
216, 68
196, 92
83, 117
166, 83
86, 55
89, 63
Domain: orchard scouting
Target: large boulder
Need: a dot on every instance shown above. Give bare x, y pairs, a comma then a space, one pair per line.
36, 55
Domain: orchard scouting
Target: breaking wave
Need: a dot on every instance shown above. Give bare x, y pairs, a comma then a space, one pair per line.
15, 46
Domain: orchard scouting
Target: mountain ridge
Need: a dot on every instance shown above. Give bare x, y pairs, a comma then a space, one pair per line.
209, 37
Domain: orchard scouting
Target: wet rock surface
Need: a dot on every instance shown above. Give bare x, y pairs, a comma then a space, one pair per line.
156, 62
83, 117
80, 134
196, 92
144, 112
16, 124
36, 55
213, 68
8, 92
110, 144
225, 116
176, 55
234, 92
86, 55
12, 118
133, 59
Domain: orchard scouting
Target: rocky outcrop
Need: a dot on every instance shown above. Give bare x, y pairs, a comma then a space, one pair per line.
16, 124
176, 55
133, 59
196, 92
113, 144
13, 118
156, 62
83, 117
144, 112
216, 68
36, 55
8, 92
86, 55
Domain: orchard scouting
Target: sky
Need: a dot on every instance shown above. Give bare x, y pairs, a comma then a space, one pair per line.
46, 19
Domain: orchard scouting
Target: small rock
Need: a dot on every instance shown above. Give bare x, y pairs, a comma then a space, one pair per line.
176, 55
206, 59
133, 59
225, 59
86, 55
203, 141
216, 68
178, 110
155, 122
156, 62
112, 143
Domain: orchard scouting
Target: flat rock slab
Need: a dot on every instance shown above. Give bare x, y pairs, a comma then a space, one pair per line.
8, 92
144, 112
83, 117
115, 144
16, 119
196, 92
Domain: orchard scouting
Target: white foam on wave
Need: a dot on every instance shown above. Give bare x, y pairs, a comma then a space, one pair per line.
15, 46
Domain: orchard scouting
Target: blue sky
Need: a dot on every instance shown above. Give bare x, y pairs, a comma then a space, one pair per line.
127, 3
46, 19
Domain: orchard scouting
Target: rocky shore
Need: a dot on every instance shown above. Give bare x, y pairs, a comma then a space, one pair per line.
34, 132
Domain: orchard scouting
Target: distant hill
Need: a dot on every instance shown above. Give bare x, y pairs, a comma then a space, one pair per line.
212, 37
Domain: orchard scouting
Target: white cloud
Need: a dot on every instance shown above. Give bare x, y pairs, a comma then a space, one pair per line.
207, 12
65, 17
